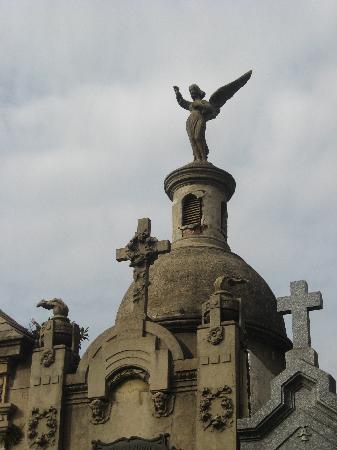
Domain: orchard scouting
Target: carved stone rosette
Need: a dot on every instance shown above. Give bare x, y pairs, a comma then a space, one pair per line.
48, 358
216, 408
100, 410
162, 404
215, 335
42, 427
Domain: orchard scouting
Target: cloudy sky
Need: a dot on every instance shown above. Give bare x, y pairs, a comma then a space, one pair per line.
89, 128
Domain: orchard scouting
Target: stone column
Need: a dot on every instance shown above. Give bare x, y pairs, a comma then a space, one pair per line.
50, 362
210, 188
219, 360
6, 408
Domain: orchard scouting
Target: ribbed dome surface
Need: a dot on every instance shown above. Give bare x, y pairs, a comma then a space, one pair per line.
183, 279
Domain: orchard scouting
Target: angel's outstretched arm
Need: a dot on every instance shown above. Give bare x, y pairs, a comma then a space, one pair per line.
181, 101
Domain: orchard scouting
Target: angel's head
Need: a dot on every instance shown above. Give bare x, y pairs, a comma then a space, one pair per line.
196, 92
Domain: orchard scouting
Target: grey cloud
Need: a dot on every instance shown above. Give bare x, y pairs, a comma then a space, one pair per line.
89, 128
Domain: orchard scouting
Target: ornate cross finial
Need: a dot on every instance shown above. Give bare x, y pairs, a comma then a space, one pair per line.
299, 303
142, 251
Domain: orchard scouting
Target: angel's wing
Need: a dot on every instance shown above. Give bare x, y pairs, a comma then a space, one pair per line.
220, 97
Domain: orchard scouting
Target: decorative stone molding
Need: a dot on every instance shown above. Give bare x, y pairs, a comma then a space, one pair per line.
125, 374
216, 408
100, 410
185, 375
2, 388
42, 427
10, 434
48, 358
215, 335
163, 404
159, 443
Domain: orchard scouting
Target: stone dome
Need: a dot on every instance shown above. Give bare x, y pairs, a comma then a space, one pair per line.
182, 280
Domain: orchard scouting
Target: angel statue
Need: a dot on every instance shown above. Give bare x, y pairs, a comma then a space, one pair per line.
202, 110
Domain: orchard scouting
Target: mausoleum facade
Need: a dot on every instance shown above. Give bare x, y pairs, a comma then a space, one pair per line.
198, 357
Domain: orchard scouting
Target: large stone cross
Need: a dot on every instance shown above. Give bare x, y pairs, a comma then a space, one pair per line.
142, 251
299, 303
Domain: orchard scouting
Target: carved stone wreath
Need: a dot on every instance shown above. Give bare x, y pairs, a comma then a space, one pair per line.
42, 427
48, 358
215, 335
219, 401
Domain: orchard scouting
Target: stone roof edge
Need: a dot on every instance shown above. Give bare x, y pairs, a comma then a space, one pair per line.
279, 406
19, 328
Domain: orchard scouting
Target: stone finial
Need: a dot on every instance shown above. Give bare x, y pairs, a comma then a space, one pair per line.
142, 251
60, 309
225, 284
299, 303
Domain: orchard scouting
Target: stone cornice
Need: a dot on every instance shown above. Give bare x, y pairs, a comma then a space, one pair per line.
199, 173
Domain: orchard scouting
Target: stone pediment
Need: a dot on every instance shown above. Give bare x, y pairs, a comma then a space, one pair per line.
12, 336
302, 409
135, 443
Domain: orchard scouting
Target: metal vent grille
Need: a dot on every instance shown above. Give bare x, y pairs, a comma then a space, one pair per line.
191, 210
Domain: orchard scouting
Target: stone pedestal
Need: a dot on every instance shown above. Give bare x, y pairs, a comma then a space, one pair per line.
218, 387
208, 189
219, 369
59, 340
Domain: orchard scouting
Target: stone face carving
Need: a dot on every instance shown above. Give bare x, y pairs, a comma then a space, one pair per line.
163, 404
201, 111
48, 358
57, 305
42, 427
100, 410
216, 408
134, 442
215, 335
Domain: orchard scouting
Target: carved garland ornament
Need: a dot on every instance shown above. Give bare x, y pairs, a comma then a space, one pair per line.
219, 401
42, 427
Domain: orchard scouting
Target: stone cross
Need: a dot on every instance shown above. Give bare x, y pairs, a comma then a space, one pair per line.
142, 251
299, 303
